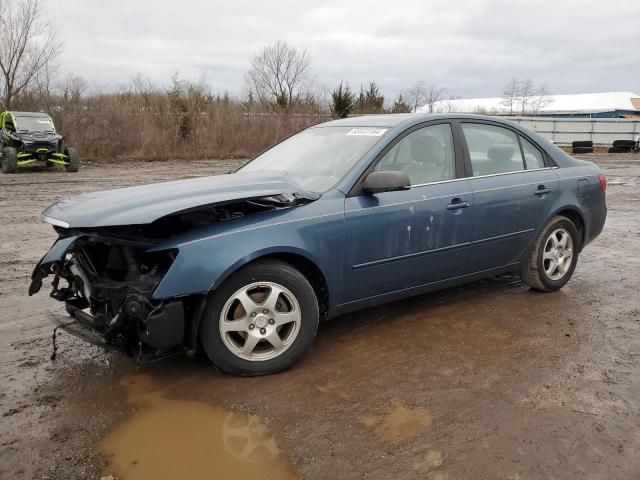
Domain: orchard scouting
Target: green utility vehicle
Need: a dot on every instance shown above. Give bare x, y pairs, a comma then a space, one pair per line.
30, 137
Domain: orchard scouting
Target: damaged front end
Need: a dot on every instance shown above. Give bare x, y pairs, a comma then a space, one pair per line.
107, 286
106, 274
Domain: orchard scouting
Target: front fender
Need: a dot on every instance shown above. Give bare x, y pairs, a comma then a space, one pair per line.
205, 262
202, 267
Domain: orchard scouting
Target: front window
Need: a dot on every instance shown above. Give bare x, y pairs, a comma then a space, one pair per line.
425, 155
34, 124
318, 157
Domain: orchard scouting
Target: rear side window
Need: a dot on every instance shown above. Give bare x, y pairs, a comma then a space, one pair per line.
532, 156
492, 149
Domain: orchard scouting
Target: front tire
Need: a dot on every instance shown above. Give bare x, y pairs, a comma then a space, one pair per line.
553, 257
9, 160
74, 159
261, 320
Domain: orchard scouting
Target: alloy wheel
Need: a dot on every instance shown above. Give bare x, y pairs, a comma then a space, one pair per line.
260, 321
557, 254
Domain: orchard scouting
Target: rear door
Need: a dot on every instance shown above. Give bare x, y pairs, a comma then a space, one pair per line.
513, 189
399, 240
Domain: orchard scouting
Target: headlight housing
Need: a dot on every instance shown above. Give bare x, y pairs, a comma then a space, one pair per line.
55, 221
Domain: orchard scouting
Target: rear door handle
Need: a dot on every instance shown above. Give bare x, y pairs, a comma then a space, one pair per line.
542, 190
457, 203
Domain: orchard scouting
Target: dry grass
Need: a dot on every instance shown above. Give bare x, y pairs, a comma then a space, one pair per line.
167, 125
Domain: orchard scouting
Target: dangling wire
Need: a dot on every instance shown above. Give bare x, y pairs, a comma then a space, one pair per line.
55, 346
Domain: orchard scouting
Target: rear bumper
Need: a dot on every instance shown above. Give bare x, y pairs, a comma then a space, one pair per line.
595, 219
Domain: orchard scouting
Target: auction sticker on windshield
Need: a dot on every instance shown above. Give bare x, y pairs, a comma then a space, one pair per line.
369, 132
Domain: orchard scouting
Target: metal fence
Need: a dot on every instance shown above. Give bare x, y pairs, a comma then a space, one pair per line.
601, 131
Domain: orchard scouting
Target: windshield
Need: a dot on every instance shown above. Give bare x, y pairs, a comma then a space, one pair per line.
318, 157
34, 124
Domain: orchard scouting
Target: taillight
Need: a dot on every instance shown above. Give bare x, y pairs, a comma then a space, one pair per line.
603, 182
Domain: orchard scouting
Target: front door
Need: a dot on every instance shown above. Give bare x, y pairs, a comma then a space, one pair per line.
405, 239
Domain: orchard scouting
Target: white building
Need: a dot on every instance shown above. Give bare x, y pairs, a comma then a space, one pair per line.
585, 105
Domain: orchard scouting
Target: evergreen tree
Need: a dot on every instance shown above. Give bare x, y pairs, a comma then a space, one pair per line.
374, 99
400, 105
370, 100
342, 101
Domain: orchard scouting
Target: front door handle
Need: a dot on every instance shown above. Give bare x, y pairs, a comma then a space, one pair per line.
457, 203
542, 190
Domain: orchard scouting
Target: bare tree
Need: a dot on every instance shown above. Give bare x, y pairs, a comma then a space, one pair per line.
73, 87
28, 47
510, 95
43, 84
525, 94
419, 95
416, 95
449, 105
434, 94
142, 86
279, 73
524, 97
542, 99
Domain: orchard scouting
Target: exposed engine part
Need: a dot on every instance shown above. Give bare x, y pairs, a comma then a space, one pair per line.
80, 280
134, 307
108, 285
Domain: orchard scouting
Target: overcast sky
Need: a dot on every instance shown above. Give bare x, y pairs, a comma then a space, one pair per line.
470, 47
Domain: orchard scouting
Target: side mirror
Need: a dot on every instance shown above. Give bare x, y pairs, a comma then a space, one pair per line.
386, 181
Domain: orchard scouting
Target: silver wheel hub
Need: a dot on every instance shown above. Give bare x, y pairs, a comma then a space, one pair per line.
260, 321
557, 254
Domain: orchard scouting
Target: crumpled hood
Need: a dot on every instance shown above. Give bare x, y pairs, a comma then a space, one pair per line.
147, 203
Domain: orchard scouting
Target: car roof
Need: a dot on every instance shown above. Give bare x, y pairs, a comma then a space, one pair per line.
394, 119
30, 114
387, 120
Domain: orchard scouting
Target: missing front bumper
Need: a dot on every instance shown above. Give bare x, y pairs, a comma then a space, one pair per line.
81, 325
75, 328
163, 331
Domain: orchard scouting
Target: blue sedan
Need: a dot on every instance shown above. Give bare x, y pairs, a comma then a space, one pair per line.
345, 215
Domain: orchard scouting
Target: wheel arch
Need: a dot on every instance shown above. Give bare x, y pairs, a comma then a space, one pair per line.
298, 259
574, 214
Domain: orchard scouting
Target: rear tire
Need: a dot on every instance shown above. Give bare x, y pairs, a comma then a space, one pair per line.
261, 281
9, 160
74, 159
550, 264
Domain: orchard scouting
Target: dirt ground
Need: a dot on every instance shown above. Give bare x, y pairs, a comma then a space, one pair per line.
486, 381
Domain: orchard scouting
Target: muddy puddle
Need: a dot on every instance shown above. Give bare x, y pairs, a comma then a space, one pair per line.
175, 439
399, 423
